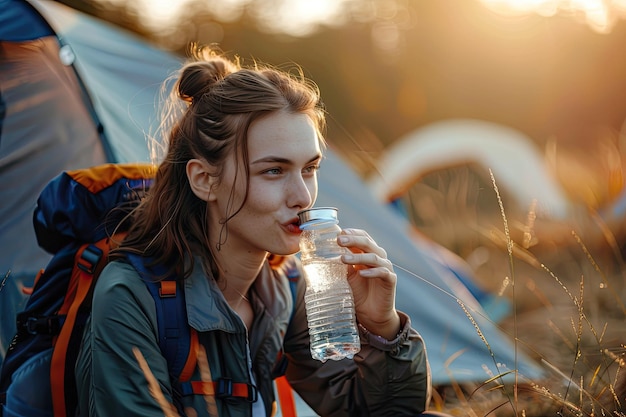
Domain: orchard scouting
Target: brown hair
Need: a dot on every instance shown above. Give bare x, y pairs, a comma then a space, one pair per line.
222, 99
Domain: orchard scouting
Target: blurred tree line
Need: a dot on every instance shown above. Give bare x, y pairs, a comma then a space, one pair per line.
388, 67
395, 65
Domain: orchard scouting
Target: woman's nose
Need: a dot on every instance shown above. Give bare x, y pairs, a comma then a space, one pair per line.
300, 194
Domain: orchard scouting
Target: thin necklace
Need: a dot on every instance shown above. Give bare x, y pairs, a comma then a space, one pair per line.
242, 296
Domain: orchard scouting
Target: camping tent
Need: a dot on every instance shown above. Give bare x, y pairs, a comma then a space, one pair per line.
515, 161
88, 96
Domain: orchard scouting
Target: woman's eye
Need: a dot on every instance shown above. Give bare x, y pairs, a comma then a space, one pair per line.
273, 171
311, 169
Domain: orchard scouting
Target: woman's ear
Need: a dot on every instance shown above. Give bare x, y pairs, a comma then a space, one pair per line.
201, 180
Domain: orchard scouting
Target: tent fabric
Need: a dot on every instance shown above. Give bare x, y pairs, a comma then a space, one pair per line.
48, 127
45, 129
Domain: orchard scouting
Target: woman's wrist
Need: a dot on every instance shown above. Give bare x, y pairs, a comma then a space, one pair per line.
387, 344
387, 330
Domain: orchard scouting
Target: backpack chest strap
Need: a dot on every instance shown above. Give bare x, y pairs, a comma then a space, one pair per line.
223, 388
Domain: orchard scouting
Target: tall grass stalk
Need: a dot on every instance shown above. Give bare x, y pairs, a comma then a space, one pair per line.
509, 247
596, 267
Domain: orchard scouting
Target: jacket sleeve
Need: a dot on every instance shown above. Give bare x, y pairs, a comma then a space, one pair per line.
374, 383
109, 378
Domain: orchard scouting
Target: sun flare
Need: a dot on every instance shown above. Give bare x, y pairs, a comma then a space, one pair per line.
296, 17
600, 15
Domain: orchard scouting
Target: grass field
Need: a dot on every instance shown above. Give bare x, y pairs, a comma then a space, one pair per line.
565, 281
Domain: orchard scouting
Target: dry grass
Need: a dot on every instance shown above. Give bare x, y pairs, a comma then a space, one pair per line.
565, 280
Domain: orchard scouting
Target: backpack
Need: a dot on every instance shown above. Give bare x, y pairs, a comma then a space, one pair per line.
80, 216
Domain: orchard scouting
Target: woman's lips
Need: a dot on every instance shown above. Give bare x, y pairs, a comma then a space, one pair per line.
293, 227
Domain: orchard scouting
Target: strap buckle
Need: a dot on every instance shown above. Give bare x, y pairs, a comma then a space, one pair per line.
43, 325
31, 325
224, 390
89, 259
253, 394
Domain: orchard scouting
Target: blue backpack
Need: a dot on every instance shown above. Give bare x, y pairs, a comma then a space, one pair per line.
80, 216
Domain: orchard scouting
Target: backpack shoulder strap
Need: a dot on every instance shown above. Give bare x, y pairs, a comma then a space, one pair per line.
88, 263
175, 337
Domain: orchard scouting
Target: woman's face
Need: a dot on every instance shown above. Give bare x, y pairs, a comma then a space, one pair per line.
283, 157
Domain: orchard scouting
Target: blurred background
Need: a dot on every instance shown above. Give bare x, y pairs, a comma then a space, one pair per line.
542, 79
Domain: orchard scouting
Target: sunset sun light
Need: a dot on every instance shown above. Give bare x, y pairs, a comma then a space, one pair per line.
600, 15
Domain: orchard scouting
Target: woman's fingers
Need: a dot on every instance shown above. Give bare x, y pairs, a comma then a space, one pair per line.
359, 241
370, 260
366, 256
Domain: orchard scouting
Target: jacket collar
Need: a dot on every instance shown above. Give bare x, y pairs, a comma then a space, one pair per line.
208, 310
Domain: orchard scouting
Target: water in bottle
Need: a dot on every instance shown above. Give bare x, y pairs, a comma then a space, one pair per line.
328, 298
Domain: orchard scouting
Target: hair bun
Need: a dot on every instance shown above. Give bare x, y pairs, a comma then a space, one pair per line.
198, 77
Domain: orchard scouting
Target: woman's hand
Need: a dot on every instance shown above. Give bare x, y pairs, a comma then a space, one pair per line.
373, 283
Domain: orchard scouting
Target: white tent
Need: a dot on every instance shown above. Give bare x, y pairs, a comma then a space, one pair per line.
515, 161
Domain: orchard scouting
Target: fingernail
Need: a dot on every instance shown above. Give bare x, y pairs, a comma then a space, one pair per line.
348, 258
343, 239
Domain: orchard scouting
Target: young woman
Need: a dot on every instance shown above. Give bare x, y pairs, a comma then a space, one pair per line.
242, 161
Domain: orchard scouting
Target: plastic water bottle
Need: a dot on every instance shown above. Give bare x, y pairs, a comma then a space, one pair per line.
328, 298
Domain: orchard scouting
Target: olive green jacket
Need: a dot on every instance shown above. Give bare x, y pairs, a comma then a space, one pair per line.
111, 383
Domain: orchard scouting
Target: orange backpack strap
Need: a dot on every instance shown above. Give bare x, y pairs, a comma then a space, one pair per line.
221, 388
285, 396
87, 265
190, 365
